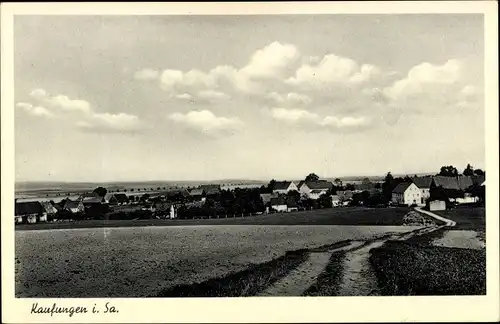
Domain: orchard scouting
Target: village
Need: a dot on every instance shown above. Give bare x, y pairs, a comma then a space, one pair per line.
433, 192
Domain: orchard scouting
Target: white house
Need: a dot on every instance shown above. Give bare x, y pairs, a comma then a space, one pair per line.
407, 193
283, 187
424, 184
314, 189
335, 200
279, 205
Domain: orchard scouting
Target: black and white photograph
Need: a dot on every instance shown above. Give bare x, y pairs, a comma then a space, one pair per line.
249, 155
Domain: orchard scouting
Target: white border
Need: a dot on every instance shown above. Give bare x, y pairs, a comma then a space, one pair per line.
260, 310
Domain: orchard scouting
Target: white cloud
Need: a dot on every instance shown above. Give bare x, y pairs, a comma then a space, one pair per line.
38, 94
426, 78
147, 74
213, 95
64, 103
304, 118
34, 110
206, 122
271, 61
291, 99
332, 69
184, 96
110, 123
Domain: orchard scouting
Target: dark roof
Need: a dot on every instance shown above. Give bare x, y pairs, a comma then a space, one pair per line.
455, 183
29, 207
71, 204
365, 186
401, 188
320, 184
48, 207
266, 197
477, 180
197, 192
422, 182
121, 197
282, 185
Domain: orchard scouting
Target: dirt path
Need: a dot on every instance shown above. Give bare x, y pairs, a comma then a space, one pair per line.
300, 279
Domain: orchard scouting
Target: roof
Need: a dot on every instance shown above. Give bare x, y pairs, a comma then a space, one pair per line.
121, 197
29, 207
71, 204
335, 197
320, 184
108, 196
401, 188
266, 197
91, 198
422, 182
478, 180
282, 185
196, 192
317, 191
48, 207
456, 183
365, 186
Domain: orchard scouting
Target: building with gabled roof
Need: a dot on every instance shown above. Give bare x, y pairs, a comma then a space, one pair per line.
314, 189
283, 187
407, 193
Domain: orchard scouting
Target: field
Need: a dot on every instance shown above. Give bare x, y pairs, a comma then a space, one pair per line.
331, 216
467, 218
450, 261
143, 261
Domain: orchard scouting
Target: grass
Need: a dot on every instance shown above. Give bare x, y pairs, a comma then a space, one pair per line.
467, 218
328, 281
404, 268
331, 216
248, 282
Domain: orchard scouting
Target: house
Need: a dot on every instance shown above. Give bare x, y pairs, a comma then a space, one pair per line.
452, 183
283, 187
91, 199
74, 206
335, 200
121, 198
48, 207
407, 193
316, 193
319, 187
266, 197
197, 193
210, 189
29, 212
110, 199
424, 184
279, 204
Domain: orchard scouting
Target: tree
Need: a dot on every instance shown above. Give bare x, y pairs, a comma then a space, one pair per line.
312, 177
100, 191
293, 195
325, 201
270, 186
337, 182
366, 181
448, 171
468, 170
478, 172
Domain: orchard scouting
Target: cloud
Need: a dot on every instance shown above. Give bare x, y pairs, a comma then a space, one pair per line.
425, 78
147, 74
206, 122
271, 61
313, 121
332, 69
291, 99
34, 110
184, 96
89, 120
213, 95
110, 123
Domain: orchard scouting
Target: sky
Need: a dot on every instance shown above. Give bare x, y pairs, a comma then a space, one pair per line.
144, 98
